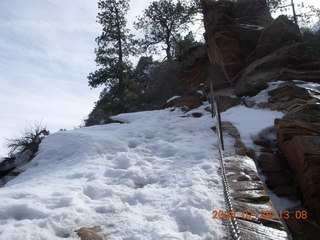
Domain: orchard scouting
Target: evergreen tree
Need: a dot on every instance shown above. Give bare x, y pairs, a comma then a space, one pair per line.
275, 5
114, 47
163, 22
314, 40
300, 13
182, 46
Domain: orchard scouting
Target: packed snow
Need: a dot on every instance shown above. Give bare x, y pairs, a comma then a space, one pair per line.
263, 96
153, 177
250, 121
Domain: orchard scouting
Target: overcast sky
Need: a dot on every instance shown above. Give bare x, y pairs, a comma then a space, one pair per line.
46, 53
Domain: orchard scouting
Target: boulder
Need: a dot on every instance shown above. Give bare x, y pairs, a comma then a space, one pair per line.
254, 78
288, 91
226, 102
278, 179
93, 233
199, 70
248, 194
277, 34
299, 138
232, 32
197, 114
306, 229
270, 163
287, 97
305, 121
304, 75
186, 102
303, 155
7, 164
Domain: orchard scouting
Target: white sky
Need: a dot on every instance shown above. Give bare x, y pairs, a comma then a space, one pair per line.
46, 53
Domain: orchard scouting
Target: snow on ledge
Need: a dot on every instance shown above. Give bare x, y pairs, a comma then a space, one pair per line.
250, 121
173, 98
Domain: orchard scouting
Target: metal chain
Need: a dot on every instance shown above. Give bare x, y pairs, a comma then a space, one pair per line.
232, 222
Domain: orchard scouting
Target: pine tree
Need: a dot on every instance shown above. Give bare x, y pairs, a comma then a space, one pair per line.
300, 13
163, 22
114, 47
182, 46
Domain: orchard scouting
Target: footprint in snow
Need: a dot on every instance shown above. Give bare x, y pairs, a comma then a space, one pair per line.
133, 144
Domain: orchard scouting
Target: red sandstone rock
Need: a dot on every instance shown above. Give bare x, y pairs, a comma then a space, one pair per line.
270, 163
304, 120
303, 229
251, 52
277, 179
93, 233
279, 33
254, 77
232, 32
187, 102
303, 154
226, 102
199, 70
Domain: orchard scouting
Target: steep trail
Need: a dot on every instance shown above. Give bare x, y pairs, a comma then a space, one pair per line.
153, 177
249, 213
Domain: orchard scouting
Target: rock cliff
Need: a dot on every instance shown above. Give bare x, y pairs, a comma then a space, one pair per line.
247, 50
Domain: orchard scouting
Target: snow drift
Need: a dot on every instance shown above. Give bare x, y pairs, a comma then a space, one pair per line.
153, 177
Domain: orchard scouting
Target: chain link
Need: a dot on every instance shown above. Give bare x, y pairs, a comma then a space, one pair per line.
232, 222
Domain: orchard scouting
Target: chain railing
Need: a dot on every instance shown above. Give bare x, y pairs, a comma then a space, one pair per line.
232, 222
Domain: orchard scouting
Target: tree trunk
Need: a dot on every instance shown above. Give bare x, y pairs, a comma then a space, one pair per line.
294, 13
168, 52
168, 49
120, 62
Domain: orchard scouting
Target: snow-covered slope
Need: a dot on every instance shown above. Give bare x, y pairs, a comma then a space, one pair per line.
153, 177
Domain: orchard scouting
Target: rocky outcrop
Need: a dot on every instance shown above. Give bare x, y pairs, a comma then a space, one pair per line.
253, 50
199, 70
186, 102
299, 138
226, 102
11, 167
288, 96
304, 120
278, 33
256, 75
6, 165
232, 32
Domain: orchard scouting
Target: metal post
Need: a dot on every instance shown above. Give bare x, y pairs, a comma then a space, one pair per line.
294, 13
211, 98
219, 120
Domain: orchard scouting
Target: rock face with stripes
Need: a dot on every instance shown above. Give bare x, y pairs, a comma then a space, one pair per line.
299, 138
253, 50
232, 32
